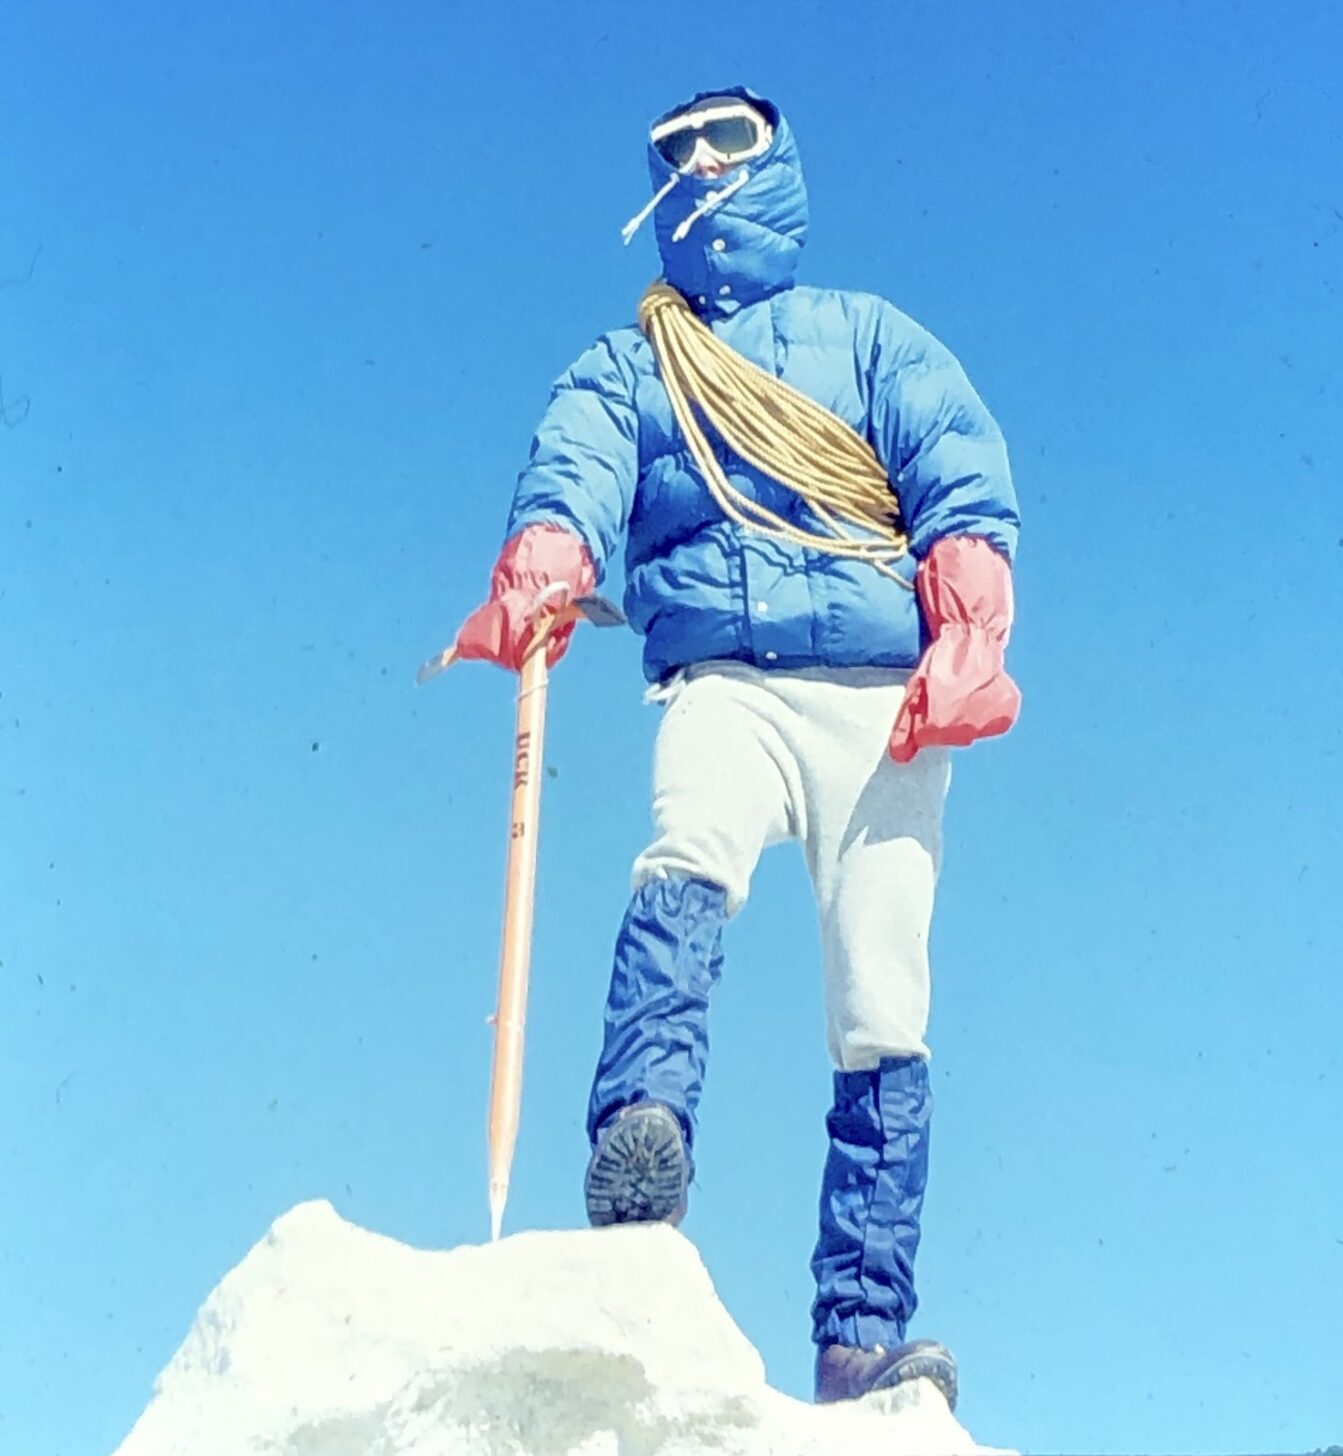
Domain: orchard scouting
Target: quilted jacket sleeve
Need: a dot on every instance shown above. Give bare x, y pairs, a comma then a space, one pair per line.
584, 461
942, 448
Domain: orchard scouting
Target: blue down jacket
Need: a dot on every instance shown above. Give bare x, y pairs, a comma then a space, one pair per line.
609, 462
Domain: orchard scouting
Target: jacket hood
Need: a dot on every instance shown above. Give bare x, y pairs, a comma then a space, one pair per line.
746, 247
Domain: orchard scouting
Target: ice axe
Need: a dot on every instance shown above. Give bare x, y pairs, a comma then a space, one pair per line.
510, 1017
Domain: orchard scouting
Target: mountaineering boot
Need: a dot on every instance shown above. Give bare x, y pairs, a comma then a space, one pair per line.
640, 1170
844, 1372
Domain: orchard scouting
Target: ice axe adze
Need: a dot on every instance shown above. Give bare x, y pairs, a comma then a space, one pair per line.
520, 885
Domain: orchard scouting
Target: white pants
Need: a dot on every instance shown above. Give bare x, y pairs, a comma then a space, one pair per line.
746, 759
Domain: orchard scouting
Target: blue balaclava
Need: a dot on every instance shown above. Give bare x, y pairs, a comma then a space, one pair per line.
733, 239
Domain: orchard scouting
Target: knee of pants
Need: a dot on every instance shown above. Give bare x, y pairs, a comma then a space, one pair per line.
721, 791
710, 834
700, 855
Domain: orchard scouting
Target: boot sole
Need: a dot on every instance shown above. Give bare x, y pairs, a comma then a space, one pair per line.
639, 1171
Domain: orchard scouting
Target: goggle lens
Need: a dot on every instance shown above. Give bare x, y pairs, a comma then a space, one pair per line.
728, 137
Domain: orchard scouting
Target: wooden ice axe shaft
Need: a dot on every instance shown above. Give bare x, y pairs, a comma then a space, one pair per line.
516, 951
515, 956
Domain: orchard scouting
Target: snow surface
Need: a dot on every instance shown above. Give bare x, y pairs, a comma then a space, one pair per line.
328, 1340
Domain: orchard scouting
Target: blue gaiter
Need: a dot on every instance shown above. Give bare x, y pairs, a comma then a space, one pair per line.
871, 1198
668, 959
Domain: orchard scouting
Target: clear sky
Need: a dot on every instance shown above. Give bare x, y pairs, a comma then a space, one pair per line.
283, 290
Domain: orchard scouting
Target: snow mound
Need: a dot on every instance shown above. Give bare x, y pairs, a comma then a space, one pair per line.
328, 1340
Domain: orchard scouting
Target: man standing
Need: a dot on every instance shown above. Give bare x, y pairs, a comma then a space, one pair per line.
819, 522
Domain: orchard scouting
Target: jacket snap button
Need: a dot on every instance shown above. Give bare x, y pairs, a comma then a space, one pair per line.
762, 608
725, 289
719, 245
771, 657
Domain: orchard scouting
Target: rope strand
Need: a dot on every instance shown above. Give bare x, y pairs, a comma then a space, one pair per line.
780, 431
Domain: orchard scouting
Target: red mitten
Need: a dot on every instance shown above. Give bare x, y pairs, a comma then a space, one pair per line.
960, 691
542, 568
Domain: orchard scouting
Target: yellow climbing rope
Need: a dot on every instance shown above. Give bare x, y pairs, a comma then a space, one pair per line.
781, 432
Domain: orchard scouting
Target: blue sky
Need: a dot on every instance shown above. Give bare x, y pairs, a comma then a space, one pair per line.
280, 301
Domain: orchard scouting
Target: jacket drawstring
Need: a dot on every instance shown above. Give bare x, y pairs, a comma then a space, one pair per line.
714, 199
638, 220
683, 228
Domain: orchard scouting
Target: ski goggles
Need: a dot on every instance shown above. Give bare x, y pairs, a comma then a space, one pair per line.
731, 131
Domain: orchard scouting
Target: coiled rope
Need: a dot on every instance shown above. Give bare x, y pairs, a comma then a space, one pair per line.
781, 432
